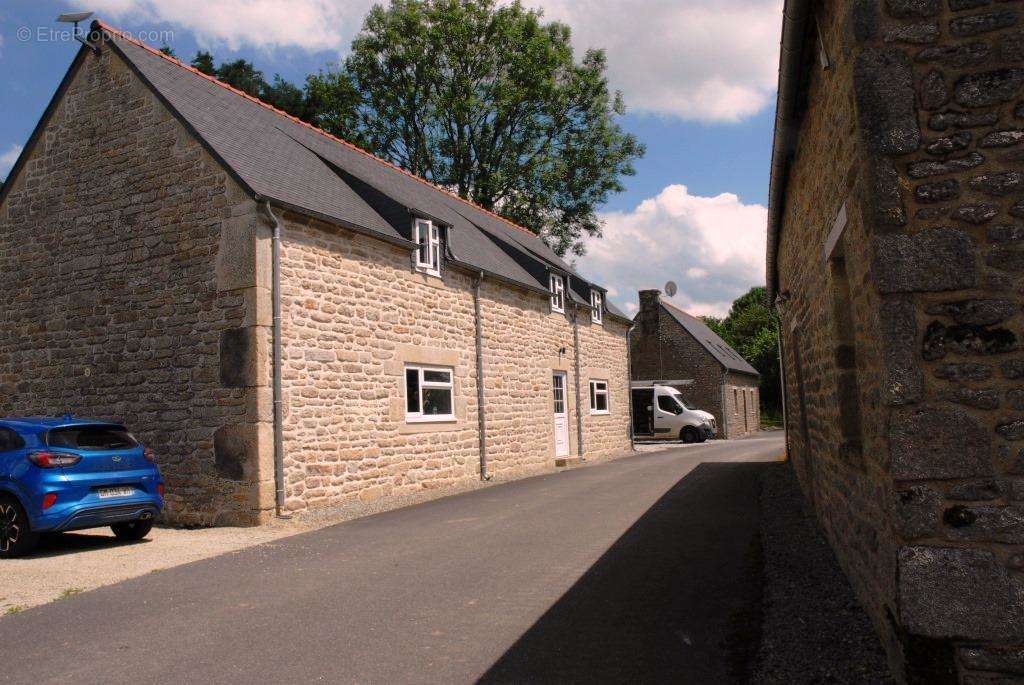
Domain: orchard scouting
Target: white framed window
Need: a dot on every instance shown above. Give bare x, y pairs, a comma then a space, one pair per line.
597, 306
599, 397
429, 394
557, 286
427, 237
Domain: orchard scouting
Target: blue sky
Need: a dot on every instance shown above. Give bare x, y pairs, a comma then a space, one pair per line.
697, 77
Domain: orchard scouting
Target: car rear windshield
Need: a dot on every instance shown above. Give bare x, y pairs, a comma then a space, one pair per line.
91, 438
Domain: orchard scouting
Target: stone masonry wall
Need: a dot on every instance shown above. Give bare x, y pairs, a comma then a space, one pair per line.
742, 405
850, 493
662, 349
916, 127
355, 312
123, 250
603, 356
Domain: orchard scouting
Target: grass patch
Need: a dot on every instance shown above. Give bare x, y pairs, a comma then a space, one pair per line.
70, 592
13, 609
771, 419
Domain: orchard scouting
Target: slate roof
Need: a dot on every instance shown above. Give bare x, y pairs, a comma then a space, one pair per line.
718, 348
298, 166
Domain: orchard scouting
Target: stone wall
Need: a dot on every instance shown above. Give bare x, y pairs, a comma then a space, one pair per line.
355, 312
742, 406
120, 298
603, 356
899, 269
663, 349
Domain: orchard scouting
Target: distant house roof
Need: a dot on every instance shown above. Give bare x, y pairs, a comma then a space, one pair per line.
718, 348
300, 167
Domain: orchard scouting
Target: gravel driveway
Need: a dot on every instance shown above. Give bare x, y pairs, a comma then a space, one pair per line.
70, 563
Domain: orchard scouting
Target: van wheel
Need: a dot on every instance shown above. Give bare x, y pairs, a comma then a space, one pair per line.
132, 530
690, 434
16, 537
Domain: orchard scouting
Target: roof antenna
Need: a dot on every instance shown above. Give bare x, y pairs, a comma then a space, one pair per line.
75, 18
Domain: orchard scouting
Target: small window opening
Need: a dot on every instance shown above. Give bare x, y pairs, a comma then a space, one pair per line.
845, 359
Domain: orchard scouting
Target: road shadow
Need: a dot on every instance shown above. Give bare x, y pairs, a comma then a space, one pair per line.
677, 598
59, 544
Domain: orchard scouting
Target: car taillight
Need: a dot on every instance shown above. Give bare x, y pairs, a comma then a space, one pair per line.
149, 455
49, 499
160, 489
51, 460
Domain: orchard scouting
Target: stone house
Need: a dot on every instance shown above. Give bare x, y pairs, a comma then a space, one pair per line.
287, 320
895, 261
668, 344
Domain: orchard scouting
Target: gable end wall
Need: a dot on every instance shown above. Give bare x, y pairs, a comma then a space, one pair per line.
128, 257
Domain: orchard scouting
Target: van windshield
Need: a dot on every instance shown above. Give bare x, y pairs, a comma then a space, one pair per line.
674, 394
670, 404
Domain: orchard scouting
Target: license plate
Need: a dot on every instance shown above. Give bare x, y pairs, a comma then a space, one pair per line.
107, 493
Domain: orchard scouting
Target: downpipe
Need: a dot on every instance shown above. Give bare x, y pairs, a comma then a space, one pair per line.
629, 384
576, 366
276, 359
480, 413
782, 380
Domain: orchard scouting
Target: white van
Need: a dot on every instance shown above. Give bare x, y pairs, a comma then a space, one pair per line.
660, 412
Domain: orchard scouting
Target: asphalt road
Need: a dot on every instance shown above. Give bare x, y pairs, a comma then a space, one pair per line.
643, 569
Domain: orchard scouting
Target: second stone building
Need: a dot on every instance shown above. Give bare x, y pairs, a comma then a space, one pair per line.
671, 346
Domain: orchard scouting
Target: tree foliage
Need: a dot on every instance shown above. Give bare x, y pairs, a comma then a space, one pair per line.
243, 75
485, 100
751, 329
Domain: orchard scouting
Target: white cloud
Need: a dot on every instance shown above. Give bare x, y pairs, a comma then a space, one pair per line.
8, 158
307, 24
705, 60
712, 247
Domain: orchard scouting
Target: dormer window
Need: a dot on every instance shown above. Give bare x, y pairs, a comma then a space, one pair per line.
557, 286
596, 306
427, 236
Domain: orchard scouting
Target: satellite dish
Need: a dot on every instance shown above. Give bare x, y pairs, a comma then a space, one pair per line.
671, 289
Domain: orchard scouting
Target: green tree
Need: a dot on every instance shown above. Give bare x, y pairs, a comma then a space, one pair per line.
285, 96
332, 103
244, 76
751, 329
488, 101
203, 61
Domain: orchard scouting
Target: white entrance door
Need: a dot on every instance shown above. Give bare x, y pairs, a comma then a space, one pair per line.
561, 415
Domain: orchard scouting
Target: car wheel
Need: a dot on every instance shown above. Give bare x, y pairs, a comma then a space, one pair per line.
689, 434
132, 530
16, 537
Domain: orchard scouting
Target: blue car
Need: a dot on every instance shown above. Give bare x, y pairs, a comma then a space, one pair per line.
69, 474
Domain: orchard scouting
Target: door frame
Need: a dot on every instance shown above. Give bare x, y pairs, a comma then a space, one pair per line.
564, 414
